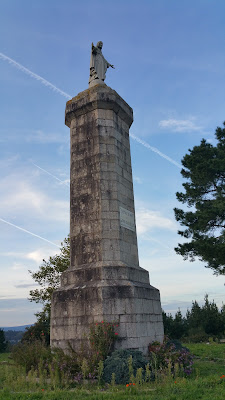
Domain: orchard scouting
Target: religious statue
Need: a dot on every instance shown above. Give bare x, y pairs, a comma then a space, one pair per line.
98, 65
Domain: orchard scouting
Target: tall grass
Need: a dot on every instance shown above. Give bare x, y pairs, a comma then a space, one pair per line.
206, 383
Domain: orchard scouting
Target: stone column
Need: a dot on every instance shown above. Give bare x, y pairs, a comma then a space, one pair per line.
104, 281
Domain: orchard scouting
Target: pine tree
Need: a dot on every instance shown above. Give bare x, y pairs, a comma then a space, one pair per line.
204, 171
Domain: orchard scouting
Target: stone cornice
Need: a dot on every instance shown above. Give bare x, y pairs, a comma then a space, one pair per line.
98, 97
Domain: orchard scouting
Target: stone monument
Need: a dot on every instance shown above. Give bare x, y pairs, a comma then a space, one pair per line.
104, 280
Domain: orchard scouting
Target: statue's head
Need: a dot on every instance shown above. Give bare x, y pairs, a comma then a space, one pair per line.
99, 45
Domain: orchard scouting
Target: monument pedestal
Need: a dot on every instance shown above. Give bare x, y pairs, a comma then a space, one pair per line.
104, 281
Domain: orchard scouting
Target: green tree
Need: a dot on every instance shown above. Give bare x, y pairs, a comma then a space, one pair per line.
179, 326
195, 316
199, 323
48, 277
168, 324
38, 331
204, 170
3, 343
212, 318
174, 328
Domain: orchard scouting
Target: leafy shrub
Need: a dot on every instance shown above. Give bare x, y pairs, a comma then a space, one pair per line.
31, 355
102, 338
175, 343
118, 363
170, 354
197, 335
66, 364
39, 331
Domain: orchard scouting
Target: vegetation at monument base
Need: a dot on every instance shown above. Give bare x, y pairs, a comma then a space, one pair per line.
199, 324
207, 382
204, 170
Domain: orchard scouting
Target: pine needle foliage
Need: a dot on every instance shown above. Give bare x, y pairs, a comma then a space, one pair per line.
204, 195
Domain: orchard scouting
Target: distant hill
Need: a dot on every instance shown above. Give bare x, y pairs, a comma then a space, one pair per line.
14, 334
16, 328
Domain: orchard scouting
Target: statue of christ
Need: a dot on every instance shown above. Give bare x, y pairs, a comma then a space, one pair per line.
98, 65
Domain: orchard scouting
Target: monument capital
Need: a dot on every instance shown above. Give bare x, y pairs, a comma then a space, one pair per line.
97, 97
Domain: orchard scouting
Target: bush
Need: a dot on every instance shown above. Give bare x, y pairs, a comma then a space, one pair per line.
196, 335
118, 364
102, 338
177, 345
169, 355
39, 331
66, 364
31, 355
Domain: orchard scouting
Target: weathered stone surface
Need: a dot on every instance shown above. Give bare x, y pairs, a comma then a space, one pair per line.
104, 280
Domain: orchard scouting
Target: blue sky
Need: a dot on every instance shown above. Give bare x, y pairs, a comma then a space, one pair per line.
170, 68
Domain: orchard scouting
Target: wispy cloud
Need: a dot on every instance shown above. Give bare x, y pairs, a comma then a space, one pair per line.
36, 255
9, 161
17, 309
17, 266
138, 180
155, 150
25, 285
148, 220
30, 200
154, 240
39, 136
35, 76
180, 125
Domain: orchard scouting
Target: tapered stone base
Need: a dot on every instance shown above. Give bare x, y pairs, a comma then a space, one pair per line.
119, 294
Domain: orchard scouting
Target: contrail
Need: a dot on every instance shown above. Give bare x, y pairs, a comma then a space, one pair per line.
30, 233
49, 173
33, 75
155, 150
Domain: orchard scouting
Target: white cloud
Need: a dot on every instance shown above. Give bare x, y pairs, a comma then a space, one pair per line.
148, 220
20, 197
38, 255
138, 180
17, 266
9, 161
179, 125
42, 137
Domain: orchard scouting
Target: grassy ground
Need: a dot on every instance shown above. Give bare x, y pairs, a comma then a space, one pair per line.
205, 383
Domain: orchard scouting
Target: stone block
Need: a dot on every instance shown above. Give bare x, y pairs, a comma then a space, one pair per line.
131, 330
157, 309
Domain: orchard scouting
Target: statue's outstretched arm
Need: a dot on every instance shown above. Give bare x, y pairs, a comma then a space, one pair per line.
109, 65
